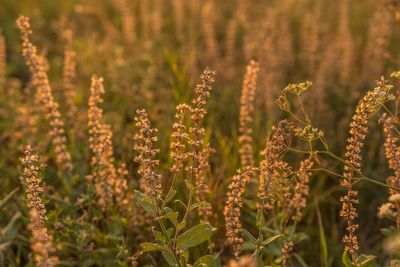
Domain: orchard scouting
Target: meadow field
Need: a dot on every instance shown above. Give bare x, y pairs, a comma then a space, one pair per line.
236, 133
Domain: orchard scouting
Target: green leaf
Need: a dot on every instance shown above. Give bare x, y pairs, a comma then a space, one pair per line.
10, 231
204, 261
346, 260
184, 257
8, 197
198, 204
248, 236
147, 247
188, 184
158, 236
271, 239
300, 260
181, 225
173, 217
169, 232
145, 202
181, 203
195, 236
322, 238
366, 260
171, 196
169, 257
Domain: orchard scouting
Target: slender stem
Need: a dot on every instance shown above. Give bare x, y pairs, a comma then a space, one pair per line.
303, 110
169, 191
362, 176
297, 118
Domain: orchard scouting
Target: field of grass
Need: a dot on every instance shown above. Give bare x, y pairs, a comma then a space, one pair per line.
200, 133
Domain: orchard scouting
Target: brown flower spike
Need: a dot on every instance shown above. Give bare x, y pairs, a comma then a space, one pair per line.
37, 69
246, 114
369, 104
41, 240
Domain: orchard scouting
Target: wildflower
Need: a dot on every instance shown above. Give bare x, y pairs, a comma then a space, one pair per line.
150, 182
392, 150
345, 43
199, 149
2, 60
283, 102
104, 174
32, 181
233, 205
395, 198
243, 261
41, 240
298, 88
230, 40
123, 198
128, 21
274, 172
69, 74
198, 110
202, 190
369, 104
179, 139
311, 37
386, 211
45, 95
286, 250
246, 114
207, 22
301, 190
379, 35
309, 133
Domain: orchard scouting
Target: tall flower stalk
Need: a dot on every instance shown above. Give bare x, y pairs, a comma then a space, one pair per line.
37, 70
368, 105
41, 239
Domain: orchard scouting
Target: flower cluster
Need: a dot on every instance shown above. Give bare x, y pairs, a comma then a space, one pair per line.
179, 139
369, 104
202, 189
233, 205
301, 189
104, 174
150, 182
69, 73
391, 209
41, 240
274, 171
2, 60
45, 95
246, 114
